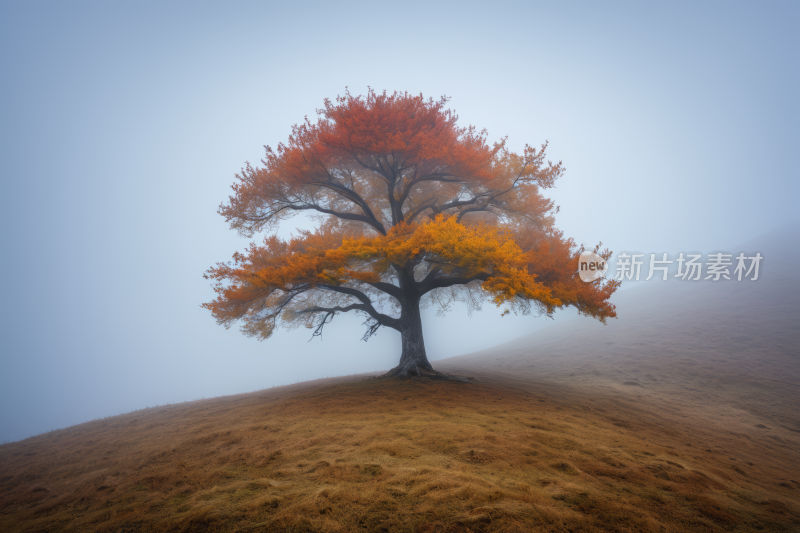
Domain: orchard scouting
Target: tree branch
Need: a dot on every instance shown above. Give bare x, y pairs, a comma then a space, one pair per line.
439, 283
365, 306
345, 216
356, 199
388, 288
411, 215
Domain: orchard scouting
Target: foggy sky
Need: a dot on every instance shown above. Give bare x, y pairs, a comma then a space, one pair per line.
123, 126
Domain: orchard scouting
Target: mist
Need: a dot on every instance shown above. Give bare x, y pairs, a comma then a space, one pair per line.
123, 127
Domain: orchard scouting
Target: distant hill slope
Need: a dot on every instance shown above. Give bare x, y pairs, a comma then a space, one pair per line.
685, 343
681, 416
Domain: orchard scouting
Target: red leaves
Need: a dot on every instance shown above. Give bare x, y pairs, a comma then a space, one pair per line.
409, 128
403, 188
554, 260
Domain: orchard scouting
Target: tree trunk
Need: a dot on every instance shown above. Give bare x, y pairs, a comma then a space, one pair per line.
413, 358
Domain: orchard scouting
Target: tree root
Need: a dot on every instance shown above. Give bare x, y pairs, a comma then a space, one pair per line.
416, 372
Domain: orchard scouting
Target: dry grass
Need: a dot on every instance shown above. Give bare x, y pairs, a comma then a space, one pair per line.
370, 455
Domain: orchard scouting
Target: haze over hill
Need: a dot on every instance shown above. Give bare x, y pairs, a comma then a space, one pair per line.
683, 343
677, 124
682, 415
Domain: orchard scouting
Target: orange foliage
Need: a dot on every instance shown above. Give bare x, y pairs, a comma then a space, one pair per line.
412, 204
554, 260
385, 159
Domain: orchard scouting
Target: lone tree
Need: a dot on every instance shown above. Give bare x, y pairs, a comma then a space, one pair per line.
412, 209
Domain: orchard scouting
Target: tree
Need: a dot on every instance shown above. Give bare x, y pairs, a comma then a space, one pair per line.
412, 209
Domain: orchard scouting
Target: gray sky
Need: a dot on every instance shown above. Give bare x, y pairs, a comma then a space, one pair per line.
123, 125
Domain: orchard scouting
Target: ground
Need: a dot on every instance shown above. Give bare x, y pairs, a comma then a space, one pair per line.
361, 454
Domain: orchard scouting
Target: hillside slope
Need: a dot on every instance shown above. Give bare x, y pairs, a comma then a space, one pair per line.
680, 416
695, 345
368, 455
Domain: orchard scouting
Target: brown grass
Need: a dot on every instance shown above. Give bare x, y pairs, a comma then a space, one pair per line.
369, 455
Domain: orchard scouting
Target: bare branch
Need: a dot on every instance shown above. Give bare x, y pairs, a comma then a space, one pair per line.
442, 282
365, 306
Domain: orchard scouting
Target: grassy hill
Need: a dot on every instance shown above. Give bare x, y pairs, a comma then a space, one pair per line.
368, 455
680, 416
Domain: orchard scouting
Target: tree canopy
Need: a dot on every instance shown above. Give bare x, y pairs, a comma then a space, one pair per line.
412, 209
